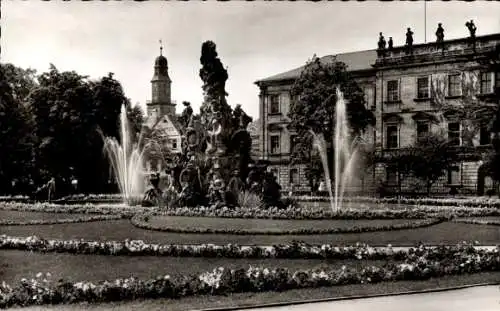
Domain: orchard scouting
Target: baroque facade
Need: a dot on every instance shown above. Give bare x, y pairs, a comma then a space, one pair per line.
401, 87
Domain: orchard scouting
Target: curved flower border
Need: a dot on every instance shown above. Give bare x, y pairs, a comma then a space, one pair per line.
478, 222
60, 220
306, 212
428, 264
141, 221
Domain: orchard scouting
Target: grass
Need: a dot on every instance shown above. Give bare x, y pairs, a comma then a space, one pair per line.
249, 299
265, 224
443, 233
15, 265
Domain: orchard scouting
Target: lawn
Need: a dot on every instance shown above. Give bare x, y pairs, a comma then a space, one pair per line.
443, 233
176, 222
18, 264
15, 264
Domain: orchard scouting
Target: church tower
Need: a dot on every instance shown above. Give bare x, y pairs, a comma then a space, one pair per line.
161, 102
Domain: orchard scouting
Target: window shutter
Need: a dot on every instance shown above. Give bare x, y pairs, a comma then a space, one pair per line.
399, 88
429, 85
492, 84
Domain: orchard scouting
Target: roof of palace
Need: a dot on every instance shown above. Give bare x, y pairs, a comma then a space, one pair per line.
355, 61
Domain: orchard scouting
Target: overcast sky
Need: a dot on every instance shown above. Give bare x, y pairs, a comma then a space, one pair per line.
254, 39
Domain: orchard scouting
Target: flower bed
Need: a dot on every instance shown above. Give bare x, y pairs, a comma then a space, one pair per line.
140, 248
428, 263
475, 201
479, 221
102, 209
307, 212
10, 222
414, 212
295, 250
142, 221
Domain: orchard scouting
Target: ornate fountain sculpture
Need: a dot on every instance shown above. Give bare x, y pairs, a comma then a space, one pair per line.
189, 178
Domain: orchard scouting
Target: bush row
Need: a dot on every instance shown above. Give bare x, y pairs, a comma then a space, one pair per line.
220, 281
10, 222
101, 209
142, 221
474, 201
452, 201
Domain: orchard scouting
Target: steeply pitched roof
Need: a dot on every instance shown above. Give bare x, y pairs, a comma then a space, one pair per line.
151, 123
355, 61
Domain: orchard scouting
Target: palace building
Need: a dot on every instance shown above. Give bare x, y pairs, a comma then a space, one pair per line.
400, 85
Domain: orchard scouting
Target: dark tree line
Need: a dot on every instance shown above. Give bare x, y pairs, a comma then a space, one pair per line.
51, 125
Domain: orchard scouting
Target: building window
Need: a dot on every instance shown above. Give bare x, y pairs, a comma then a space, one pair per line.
274, 104
454, 133
484, 136
275, 144
486, 82
422, 129
392, 136
293, 138
423, 88
294, 176
497, 80
173, 143
391, 176
454, 175
454, 85
393, 91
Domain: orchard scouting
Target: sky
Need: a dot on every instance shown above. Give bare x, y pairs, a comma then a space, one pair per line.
254, 39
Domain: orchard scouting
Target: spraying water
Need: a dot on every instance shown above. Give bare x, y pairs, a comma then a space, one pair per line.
126, 160
345, 153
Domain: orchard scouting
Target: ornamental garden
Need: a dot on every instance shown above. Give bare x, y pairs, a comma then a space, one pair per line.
213, 228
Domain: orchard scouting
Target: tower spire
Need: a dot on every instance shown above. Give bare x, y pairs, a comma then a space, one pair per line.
161, 48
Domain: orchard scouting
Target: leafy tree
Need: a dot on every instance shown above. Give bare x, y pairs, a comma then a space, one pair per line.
16, 127
433, 158
70, 112
314, 95
135, 117
403, 162
472, 110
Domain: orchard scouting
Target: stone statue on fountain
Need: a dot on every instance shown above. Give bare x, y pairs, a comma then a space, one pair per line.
189, 178
154, 195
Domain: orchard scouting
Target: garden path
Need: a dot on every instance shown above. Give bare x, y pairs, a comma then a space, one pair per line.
481, 298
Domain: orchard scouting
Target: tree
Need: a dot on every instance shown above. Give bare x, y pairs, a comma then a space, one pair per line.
313, 104
16, 127
432, 158
493, 63
71, 111
135, 117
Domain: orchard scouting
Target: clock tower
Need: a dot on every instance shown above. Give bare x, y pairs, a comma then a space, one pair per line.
161, 102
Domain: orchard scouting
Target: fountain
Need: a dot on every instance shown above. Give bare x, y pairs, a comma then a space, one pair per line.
126, 160
345, 152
